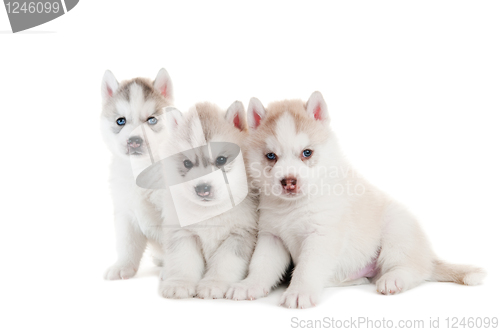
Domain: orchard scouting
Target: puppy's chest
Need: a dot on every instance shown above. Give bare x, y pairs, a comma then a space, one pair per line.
133, 201
292, 227
210, 238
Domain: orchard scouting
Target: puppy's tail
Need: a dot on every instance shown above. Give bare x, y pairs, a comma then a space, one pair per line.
460, 274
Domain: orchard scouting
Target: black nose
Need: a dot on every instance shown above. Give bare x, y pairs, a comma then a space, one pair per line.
134, 141
203, 190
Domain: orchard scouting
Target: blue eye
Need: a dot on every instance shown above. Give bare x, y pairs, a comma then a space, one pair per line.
152, 120
121, 121
271, 156
307, 153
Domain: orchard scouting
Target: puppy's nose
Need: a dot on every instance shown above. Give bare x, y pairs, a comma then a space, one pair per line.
134, 141
289, 184
203, 190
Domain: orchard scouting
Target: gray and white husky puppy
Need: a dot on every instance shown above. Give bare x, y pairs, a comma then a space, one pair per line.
126, 106
213, 248
317, 211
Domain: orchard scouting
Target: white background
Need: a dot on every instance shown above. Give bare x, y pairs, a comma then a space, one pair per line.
413, 91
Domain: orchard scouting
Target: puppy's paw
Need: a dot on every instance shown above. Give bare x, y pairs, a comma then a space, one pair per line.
246, 291
118, 271
298, 299
211, 289
177, 289
390, 284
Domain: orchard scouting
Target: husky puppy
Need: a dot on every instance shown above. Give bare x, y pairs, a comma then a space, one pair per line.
316, 211
214, 247
127, 105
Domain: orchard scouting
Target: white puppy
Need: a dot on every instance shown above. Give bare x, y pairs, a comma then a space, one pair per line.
126, 106
208, 192
316, 211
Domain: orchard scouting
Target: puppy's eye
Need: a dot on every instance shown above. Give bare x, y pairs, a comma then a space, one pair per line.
152, 120
271, 156
188, 164
220, 161
307, 153
121, 121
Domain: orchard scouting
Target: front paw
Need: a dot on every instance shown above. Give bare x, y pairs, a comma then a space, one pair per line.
177, 289
120, 271
298, 299
211, 289
246, 291
390, 283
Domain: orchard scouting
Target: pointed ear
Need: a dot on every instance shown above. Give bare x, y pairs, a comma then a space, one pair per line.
255, 113
236, 115
316, 107
109, 85
163, 84
172, 116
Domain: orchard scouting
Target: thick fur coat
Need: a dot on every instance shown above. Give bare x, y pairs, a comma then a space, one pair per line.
204, 258
317, 211
126, 106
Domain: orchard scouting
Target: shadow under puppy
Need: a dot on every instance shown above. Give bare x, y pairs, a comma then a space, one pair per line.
209, 216
317, 211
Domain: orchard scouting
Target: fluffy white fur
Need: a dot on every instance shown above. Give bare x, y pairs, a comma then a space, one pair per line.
205, 258
334, 226
137, 221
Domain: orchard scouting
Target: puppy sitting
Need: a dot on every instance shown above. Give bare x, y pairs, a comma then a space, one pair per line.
126, 106
208, 197
317, 211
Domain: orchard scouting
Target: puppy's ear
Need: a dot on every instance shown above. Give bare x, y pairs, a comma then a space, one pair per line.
236, 115
316, 107
109, 85
163, 84
173, 117
256, 113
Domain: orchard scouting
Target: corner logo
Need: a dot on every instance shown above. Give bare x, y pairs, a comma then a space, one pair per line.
24, 15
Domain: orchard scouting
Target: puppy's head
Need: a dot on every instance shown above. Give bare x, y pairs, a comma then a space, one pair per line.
288, 145
129, 104
209, 165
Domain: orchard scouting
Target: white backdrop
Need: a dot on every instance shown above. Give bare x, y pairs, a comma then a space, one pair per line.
413, 91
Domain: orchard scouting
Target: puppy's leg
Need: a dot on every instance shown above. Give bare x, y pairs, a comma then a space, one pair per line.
406, 257
156, 253
183, 268
229, 264
269, 262
311, 274
130, 242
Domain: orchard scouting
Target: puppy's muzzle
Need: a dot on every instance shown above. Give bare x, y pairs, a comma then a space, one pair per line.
134, 145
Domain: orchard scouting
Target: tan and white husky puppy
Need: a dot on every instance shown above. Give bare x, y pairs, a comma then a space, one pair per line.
208, 192
126, 106
316, 211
